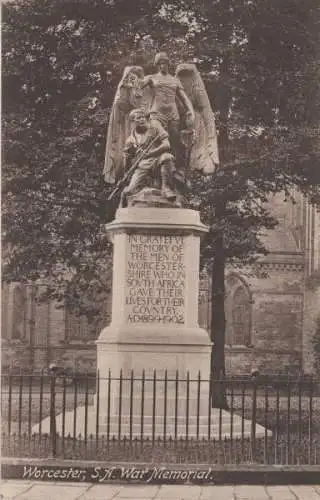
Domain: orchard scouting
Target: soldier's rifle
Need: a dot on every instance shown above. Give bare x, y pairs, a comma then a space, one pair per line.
122, 182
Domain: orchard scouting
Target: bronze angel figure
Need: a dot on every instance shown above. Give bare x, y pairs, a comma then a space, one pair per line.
176, 134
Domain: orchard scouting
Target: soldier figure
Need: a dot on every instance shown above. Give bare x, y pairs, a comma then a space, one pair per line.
148, 145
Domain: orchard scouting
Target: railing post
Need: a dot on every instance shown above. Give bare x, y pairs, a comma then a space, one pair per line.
165, 395
40, 405
243, 395
30, 407
131, 407
187, 405
209, 405
310, 423
277, 424
120, 404
231, 413
222, 390
198, 402
97, 406
254, 419
20, 403
154, 399
53, 428
9, 405
75, 404
176, 407
86, 405
109, 406
266, 423
288, 436
64, 397
142, 405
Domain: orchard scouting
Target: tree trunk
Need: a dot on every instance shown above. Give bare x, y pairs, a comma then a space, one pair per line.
218, 321
218, 371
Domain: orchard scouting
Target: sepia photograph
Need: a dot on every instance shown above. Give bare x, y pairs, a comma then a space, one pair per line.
160, 313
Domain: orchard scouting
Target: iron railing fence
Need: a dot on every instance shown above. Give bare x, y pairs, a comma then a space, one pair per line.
167, 417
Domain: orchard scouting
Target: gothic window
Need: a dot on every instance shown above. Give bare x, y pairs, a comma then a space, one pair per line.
77, 327
238, 310
241, 317
18, 313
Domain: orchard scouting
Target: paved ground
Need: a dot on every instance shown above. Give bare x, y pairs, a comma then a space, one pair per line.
28, 490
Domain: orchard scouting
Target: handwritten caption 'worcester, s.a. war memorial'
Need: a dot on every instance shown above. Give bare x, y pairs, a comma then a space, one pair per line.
155, 279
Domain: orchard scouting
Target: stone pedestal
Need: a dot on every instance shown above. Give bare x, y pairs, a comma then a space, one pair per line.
154, 331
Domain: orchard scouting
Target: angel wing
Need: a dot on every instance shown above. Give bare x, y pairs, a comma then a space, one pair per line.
204, 152
126, 98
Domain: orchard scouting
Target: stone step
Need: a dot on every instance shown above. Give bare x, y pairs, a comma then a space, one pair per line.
227, 429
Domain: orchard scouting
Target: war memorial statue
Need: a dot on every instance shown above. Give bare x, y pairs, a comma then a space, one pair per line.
161, 126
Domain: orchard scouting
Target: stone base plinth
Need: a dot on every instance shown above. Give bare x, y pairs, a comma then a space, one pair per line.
156, 375
154, 336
